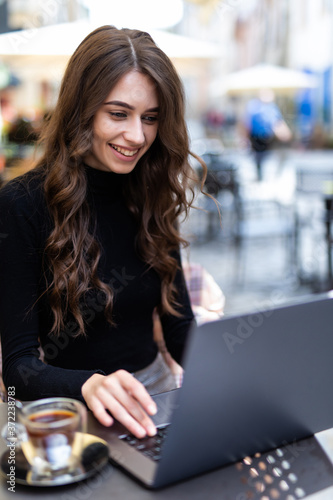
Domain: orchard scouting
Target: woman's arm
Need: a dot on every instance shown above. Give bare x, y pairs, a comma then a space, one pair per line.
176, 329
23, 228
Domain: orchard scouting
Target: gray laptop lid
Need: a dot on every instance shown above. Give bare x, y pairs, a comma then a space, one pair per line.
251, 383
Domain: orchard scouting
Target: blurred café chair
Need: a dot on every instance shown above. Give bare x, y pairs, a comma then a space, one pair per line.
263, 217
222, 183
312, 225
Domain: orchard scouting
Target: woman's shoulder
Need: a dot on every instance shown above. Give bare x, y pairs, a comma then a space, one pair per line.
23, 190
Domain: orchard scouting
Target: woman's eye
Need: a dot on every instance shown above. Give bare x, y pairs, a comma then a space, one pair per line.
150, 119
116, 114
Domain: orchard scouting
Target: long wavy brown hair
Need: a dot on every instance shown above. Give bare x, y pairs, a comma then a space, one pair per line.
72, 253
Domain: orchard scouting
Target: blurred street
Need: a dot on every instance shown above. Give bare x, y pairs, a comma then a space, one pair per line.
265, 269
257, 75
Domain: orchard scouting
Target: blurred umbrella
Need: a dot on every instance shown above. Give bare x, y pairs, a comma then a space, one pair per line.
263, 76
62, 40
42, 53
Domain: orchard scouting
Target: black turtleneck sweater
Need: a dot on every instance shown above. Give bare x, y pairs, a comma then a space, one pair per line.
25, 322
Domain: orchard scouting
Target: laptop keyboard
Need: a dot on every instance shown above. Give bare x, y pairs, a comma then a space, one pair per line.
149, 446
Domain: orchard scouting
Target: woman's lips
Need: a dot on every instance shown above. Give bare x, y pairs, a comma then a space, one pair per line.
125, 152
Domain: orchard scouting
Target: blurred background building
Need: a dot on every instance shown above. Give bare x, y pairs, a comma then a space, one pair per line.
273, 239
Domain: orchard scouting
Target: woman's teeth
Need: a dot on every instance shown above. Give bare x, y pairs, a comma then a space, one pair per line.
124, 152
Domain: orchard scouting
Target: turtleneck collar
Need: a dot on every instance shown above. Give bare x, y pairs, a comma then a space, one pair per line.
102, 182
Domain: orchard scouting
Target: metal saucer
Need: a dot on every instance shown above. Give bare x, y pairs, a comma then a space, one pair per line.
94, 456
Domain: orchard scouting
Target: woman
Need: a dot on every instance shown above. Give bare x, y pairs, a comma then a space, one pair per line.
92, 245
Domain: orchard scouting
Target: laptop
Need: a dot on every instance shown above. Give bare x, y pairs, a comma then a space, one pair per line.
252, 383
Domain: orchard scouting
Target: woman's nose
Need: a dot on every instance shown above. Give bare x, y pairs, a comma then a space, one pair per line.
134, 132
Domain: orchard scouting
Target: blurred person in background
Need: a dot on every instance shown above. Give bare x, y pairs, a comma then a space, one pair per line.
264, 125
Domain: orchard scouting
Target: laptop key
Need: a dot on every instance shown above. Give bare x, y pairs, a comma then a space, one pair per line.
150, 446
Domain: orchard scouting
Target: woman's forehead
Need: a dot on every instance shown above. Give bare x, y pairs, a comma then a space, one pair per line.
135, 89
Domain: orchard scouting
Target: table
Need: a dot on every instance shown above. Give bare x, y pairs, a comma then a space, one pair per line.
299, 470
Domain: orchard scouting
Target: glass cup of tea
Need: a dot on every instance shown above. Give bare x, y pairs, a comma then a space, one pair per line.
54, 435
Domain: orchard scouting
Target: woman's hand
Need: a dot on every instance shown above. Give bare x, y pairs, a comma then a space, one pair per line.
126, 399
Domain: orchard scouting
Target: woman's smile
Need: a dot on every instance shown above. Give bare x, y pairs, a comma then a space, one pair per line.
125, 125
124, 151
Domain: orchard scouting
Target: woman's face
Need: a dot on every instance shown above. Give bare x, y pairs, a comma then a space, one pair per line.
125, 126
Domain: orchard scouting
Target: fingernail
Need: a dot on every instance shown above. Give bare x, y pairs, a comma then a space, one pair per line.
141, 433
151, 430
152, 409
108, 421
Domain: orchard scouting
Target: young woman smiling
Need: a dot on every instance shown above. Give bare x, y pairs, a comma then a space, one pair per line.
93, 246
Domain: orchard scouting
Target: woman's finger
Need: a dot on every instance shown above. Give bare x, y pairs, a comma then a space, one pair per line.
98, 409
137, 390
128, 397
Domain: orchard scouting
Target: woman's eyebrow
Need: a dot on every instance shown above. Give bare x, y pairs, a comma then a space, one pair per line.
120, 103
128, 106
